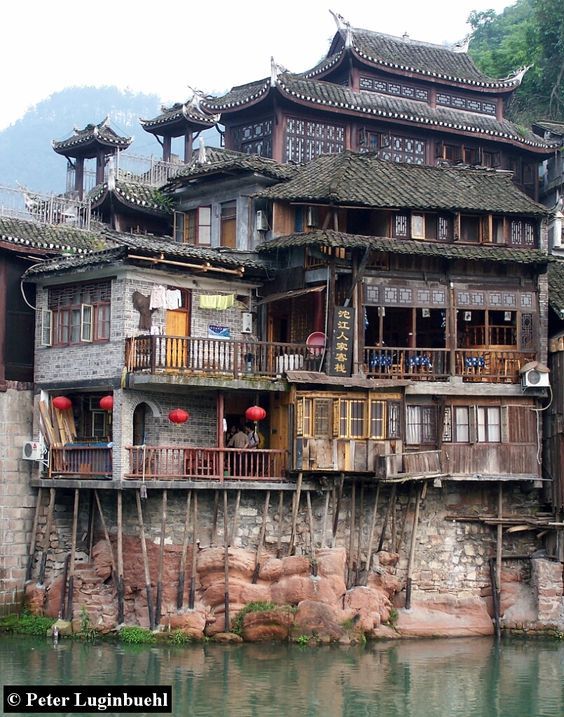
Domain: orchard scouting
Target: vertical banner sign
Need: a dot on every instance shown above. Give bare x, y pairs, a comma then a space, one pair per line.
342, 344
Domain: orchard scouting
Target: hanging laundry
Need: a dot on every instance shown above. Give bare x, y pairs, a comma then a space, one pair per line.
158, 297
225, 301
217, 301
173, 299
208, 301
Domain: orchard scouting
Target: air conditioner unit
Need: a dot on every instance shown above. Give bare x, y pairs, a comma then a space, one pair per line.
262, 221
312, 217
533, 378
33, 450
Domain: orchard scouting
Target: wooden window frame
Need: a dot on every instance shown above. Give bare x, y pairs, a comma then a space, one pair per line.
348, 419
382, 420
189, 225
46, 331
427, 425
484, 428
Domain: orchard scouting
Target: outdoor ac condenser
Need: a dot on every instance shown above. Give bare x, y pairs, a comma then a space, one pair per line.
33, 451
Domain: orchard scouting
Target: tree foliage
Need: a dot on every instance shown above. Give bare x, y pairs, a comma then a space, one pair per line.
530, 32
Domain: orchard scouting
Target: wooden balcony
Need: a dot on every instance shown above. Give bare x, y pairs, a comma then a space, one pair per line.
168, 463
81, 461
490, 364
406, 466
187, 354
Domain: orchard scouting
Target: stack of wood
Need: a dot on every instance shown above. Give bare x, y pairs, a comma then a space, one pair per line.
57, 427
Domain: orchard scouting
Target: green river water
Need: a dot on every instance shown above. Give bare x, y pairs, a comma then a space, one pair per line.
423, 678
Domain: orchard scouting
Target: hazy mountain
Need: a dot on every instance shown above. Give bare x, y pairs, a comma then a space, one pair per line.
26, 155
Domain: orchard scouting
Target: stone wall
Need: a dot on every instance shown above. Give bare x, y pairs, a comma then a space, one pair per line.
17, 498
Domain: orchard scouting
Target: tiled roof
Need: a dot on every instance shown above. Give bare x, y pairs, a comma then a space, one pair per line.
93, 133
151, 246
556, 287
555, 128
330, 238
239, 95
373, 104
188, 113
136, 195
363, 180
51, 237
229, 161
423, 58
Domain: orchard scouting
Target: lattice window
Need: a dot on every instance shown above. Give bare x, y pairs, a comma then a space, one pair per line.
307, 140
522, 233
394, 88
255, 138
527, 331
401, 222
79, 313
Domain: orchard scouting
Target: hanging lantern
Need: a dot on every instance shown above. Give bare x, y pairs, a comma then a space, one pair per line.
255, 413
178, 415
106, 403
62, 403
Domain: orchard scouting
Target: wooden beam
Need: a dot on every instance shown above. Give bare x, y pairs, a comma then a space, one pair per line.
159, 600
412, 549
295, 510
69, 611
148, 590
120, 588
192, 594
31, 549
261, 537
182, 568
372, 529
226, 562
47, 537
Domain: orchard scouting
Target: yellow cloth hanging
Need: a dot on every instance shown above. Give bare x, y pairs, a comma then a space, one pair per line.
217, 301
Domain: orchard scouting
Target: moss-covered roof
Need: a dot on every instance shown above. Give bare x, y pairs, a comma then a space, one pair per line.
330, 238
134, 195
364, 180
179, 118
556, 287
54, 238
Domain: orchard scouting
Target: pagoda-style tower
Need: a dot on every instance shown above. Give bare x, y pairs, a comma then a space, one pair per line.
183, 119
95, 141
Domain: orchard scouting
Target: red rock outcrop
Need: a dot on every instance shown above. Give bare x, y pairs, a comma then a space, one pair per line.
267, 625
445, 616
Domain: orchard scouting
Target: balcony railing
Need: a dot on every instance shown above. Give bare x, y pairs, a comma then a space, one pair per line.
44, 208
80, 461
218, 356
409, 465
492, 365
189, 463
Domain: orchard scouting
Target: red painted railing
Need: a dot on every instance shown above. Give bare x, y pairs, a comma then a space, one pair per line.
188, 463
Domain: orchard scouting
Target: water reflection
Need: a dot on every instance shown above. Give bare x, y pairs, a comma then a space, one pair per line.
467, 677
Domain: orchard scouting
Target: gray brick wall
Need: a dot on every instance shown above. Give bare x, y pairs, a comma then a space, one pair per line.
17, 498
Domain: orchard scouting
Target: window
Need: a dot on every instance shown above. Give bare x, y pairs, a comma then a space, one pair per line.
228, 230
522, 233
421, 425
193, 227
489, 424
316, 418
401, 225
352, 418
79, 313
377, 419
461, 424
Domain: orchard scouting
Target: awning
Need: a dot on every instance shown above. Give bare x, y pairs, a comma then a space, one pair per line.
290, 294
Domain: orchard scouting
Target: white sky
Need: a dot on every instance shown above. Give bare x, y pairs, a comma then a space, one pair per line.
162, 46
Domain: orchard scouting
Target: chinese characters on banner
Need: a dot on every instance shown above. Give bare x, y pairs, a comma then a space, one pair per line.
342, 343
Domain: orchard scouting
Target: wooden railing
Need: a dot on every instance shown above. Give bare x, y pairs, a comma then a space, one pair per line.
80, 461
412, 465
384, 362
189, 463
492, 365
217, 356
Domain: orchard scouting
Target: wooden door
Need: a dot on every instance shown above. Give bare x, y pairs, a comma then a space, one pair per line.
177, 329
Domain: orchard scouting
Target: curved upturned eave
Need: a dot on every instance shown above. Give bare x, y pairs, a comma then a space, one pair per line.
180, 121
412, 119
89, 143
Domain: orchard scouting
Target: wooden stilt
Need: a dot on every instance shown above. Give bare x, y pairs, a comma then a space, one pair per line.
311, 536
261, 537
215, 516
233, 535
120, 586
404, 519
91, 522
391, 503
295, 511
359, 543
106, 536
70, 595
393, 528
148, 588
64, 588
496, 609
350, 566
159, 600
47, 536
337, 508
412, 549
31, 551
280, 526
192, 594
325, 518
372, 529
226, 562
182, 569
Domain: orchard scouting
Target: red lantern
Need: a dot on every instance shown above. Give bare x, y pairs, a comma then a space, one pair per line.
62, 403
255, 413
178, 415
106, 403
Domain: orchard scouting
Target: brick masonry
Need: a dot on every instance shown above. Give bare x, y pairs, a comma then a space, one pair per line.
17, 498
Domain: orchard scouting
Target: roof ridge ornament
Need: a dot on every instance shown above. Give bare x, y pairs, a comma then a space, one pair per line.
202, 156
461, 47
519, 74
343, 27
275, 71
111, 174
